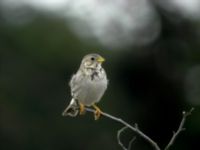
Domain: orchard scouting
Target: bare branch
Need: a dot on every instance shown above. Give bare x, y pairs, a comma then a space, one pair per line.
180, 128
140, 133
118, 137
135, 129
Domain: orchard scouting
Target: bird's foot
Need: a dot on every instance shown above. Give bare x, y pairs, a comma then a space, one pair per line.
82, 109
97, 112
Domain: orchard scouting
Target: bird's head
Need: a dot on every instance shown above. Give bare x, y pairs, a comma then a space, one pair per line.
92, 61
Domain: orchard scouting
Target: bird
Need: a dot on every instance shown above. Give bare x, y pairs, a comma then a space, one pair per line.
88, 85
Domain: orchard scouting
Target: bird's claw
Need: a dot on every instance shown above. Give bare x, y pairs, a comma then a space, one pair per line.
97, 112
82, 109
97, 115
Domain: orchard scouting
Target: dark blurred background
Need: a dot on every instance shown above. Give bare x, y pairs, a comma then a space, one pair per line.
152, 50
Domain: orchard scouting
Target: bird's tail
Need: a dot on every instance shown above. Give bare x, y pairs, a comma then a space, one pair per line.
72, 109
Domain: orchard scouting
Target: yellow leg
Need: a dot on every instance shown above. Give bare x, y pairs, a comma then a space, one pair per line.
82, 109
97, 112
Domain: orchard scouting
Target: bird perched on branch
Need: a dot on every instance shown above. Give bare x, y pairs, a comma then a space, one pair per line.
87, 86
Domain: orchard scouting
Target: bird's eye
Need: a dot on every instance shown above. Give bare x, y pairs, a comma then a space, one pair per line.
92, 58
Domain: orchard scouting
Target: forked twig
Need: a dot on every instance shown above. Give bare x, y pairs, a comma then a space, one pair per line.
180, 128
118, 137
135, 129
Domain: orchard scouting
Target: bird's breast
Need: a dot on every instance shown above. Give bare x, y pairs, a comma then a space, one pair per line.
91, 91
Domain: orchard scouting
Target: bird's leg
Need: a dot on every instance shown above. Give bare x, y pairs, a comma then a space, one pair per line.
97, 112
82, 109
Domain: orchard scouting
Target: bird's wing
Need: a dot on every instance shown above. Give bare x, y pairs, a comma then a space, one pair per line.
75, 82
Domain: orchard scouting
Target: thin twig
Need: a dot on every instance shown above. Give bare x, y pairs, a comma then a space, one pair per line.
180, 128
130, 143
118, 137
135, 129
119, 132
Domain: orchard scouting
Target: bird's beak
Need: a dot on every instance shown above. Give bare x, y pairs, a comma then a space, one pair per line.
100, 59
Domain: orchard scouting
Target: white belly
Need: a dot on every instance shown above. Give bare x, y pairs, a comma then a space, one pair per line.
91, 91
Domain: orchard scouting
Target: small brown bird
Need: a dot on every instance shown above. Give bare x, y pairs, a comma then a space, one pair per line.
87, 86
